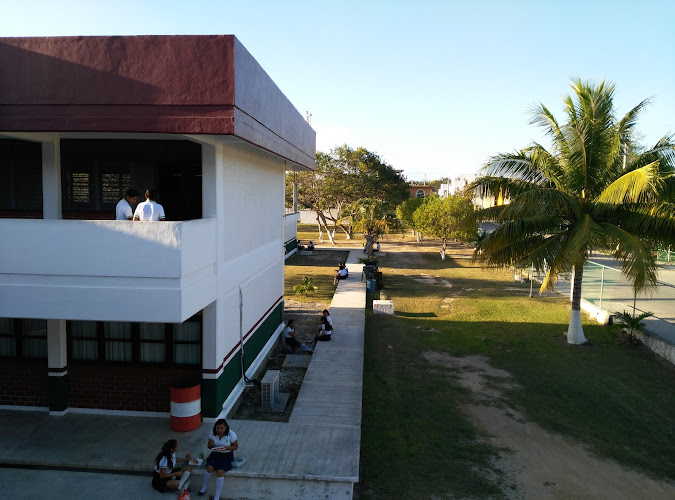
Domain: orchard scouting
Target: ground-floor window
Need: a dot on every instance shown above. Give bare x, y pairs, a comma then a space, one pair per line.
23, 338
141, 343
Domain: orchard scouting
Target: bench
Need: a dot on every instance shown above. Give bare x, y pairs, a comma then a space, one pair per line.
303, 247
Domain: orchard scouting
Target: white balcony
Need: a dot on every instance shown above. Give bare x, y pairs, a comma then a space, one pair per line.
106, 270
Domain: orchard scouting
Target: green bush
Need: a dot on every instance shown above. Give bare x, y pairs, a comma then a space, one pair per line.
305, 286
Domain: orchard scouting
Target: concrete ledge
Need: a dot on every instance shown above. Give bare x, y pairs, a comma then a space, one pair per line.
659, 345
383, 306
255, 488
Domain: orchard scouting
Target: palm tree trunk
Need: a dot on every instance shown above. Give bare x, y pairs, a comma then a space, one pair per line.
575, 333
370, 239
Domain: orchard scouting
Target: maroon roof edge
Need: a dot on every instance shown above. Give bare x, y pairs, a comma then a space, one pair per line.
148, 84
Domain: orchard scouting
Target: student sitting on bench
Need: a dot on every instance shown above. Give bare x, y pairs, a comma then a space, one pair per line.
167, 476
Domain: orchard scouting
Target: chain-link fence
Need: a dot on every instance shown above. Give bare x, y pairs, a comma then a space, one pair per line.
665, 256
606, 287
534, 279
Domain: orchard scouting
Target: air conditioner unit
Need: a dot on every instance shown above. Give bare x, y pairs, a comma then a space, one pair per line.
269, 391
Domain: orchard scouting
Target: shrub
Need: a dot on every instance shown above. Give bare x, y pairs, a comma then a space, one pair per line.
305, 286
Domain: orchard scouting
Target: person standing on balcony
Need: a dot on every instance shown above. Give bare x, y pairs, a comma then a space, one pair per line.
149, 210
123, 209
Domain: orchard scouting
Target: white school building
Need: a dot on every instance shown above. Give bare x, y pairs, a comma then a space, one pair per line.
105, 316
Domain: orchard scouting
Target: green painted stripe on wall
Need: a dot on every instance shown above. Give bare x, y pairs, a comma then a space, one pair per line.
291, 245
58, 393
215, 392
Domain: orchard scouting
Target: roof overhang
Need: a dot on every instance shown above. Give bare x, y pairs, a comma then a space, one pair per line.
149, 84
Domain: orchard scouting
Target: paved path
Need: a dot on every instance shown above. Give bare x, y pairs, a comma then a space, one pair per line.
316, 454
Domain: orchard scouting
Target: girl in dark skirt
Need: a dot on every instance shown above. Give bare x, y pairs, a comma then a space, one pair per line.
166, 475
222, 443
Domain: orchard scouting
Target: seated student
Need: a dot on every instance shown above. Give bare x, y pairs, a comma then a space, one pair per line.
310, 246
166, 475
289, 337
341, 274
326, 315
323, 334
341, 265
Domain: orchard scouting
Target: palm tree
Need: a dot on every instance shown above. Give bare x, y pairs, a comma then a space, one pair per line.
594, 190
633, 325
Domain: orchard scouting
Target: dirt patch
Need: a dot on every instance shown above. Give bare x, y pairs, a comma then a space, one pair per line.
540, 464
306, 316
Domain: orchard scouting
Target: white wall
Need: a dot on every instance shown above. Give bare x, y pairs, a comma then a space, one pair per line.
291, 226
249, 188
106, 270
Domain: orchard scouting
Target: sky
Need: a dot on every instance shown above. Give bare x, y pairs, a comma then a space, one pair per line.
433, 87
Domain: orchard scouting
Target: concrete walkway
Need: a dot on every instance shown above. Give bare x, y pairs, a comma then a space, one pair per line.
315, 455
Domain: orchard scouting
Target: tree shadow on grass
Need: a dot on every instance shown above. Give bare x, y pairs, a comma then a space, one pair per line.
416, 315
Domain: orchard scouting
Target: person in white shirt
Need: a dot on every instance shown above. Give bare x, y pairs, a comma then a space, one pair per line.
166, 475
149, 210
123, 209
340, 274
222, 441
289, 337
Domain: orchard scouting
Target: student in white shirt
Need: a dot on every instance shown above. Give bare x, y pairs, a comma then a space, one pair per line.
222, 441
149, 210
123, 209
166, 475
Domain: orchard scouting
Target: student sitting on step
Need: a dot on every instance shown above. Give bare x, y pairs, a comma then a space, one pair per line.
166, 475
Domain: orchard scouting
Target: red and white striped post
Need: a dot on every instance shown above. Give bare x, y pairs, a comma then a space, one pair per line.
186, 408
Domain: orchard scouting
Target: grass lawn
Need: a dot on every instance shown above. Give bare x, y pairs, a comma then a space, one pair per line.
320, 267
612, 396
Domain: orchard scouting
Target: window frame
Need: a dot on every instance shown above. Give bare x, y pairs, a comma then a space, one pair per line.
19, 335
136, 342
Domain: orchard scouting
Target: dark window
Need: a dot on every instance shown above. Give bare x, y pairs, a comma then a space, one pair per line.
23, 338
20, 178
97, 173
139, 343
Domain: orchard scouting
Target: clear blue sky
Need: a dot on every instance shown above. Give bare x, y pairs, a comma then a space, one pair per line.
434, 87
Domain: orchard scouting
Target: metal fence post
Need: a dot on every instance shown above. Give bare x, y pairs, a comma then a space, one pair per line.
602, 283
531, 278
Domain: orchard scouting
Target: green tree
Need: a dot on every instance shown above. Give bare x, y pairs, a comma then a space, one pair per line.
370, 217
594, 190
342, 177
445, 218
405, 211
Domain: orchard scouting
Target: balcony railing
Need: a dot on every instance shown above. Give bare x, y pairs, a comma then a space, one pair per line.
73, 266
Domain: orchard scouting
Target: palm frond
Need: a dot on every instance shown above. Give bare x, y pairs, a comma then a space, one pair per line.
627, 123
583, 236
548, 202
636, 186
516, 165
637, 260
653, 221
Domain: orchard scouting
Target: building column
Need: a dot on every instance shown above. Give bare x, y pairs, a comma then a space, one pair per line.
212, 348
51, 179
295, 191
57, 364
